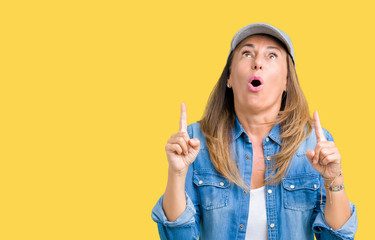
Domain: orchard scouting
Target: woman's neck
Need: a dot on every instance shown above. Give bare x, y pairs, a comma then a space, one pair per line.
257, 125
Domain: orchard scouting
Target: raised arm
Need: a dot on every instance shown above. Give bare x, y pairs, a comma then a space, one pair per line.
326, 159
181, 152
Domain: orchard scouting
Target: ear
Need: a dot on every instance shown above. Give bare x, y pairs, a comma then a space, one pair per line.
286, 83
229, 80
286, 77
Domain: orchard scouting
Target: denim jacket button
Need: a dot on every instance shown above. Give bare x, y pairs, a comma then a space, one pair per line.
200, 182
268, 158
221, 184
272, 225
269, 191
292, 186
241, 226
245, 192
267, 139
315, 186
247, 156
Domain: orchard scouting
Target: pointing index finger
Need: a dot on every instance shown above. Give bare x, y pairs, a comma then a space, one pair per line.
318, 128
183, 118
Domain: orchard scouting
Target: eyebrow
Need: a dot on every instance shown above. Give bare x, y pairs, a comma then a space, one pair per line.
252, 46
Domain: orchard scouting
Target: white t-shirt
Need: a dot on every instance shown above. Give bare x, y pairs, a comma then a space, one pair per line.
257, 221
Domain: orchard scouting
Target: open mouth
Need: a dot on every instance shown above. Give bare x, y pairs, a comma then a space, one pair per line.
255, 83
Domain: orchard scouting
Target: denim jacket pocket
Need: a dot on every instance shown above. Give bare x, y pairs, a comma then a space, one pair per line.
213, 189
300, 193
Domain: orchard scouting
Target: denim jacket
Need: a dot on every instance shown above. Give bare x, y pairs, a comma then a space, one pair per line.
218, 209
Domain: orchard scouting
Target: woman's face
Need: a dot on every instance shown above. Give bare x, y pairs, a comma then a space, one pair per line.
258, 74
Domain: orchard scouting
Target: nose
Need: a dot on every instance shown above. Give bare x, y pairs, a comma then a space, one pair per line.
257, 67
257, 64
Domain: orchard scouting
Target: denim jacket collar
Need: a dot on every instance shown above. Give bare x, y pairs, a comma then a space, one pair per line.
274, 134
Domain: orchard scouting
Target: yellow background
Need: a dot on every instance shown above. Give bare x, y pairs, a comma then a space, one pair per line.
91, 90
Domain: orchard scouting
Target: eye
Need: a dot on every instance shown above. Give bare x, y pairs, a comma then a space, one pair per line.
246, 53
273, 55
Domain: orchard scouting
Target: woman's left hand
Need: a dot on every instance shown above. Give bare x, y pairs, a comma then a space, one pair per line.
326, 158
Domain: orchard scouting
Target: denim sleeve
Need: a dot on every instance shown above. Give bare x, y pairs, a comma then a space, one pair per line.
186, 226
320, 227
324, 232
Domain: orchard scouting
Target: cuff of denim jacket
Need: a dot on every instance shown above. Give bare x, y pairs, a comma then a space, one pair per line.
347, 231
187, 217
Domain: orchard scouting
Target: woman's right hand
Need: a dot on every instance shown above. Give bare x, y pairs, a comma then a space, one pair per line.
181, 150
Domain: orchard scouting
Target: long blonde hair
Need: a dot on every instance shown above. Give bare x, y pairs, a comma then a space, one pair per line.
219, 119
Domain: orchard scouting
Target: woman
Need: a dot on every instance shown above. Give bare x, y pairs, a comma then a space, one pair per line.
254, 167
